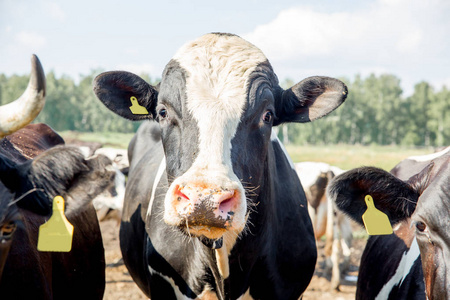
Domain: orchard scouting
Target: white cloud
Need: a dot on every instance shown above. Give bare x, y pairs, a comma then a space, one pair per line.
409, 42
55, 11
381, 31
407, 38
30, 39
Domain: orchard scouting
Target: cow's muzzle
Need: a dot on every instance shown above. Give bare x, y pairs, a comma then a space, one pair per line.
204, 210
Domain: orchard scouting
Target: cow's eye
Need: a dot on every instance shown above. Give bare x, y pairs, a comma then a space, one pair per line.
162, 114
421, 226
7, 229
268, 117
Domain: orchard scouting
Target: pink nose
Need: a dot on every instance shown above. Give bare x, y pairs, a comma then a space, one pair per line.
192, 198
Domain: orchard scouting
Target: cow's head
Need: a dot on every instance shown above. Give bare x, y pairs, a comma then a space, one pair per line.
425, 198
33, 185
216, 104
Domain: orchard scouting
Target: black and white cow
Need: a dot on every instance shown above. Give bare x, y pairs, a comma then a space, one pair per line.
415, 164
412, 263
213, 207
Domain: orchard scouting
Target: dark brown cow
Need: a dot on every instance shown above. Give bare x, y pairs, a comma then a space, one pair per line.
35, 166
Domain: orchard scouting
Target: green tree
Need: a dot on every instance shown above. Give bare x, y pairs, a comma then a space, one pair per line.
418, 108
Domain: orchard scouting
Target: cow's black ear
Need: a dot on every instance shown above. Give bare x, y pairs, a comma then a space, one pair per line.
310, 99
126, 94
391, 195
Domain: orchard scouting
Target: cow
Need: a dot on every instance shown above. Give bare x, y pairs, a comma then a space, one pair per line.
213, 207
411, 263
326, 220
36, 166
109, 204
415, 164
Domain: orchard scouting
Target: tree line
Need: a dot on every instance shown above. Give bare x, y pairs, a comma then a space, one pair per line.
375, 112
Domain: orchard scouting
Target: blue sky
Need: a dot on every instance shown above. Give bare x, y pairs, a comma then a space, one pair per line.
407, 38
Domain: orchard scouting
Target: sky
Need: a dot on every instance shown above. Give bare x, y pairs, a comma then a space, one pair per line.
340, 38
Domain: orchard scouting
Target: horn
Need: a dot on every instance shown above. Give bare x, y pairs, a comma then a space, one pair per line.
25, 109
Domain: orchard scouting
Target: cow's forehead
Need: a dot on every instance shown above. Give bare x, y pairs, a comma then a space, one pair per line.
217, 70
218, 67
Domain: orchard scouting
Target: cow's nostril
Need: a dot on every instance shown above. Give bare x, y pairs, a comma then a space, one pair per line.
179, 194
227, 203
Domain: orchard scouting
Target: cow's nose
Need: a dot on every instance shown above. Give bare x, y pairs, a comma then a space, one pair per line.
197, 202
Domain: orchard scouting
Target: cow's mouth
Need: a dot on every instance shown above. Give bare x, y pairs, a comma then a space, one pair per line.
210, 230
211, 237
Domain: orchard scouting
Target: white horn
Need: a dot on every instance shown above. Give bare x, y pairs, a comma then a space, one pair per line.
22, 111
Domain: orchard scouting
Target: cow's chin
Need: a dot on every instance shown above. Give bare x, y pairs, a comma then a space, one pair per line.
208, 230
213, 233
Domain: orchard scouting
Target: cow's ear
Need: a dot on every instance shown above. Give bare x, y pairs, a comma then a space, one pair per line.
87, 185
310, 99
391, 195
126, 94
66, 172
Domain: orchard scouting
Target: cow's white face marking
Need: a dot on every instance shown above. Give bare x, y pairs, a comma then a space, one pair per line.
217, 69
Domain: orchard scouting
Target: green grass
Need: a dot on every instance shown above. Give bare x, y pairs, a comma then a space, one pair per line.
343, 156
108, 139
351, 156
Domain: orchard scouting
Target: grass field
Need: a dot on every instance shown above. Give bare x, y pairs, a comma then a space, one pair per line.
108, 139
351, 156
343, 156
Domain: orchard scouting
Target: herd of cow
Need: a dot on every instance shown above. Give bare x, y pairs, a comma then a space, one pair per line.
213, 207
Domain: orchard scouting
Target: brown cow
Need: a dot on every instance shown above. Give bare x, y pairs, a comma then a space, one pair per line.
35, 166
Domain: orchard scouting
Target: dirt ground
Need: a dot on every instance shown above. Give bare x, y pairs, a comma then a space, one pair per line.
120, 286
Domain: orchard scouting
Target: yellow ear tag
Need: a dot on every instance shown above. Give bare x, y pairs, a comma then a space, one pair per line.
375, 221
136, 109
56, 235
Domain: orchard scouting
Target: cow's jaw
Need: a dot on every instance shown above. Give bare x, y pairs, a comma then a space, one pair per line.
208, 199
